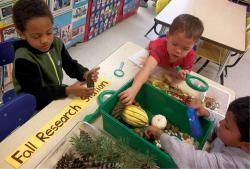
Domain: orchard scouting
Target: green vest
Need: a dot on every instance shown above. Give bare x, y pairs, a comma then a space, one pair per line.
49, 64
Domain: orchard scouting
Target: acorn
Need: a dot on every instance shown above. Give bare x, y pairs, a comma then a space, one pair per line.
185, 136
137, 130
176, 129
168, 127
141, 134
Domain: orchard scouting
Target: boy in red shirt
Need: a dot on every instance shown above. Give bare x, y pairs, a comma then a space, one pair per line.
175, 50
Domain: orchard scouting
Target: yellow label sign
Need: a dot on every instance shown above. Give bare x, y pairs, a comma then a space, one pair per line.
25, 151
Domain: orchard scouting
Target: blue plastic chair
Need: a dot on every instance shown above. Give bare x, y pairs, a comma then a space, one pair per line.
15, 113
7, 57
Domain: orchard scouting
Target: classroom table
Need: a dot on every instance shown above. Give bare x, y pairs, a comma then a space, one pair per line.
224, 22
107, 67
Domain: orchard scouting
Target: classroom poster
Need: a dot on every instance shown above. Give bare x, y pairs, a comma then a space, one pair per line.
77, 31
66, 33
6, 22
9, 32
56, 31
77, 2
5, 11
60, 6
79, 13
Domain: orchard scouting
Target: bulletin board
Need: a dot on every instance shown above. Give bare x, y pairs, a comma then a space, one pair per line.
69, 20
102, 15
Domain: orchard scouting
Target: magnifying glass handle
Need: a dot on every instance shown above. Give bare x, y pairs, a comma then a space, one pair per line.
178, 68
121, 65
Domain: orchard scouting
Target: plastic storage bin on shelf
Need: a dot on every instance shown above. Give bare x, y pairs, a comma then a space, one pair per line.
153, 101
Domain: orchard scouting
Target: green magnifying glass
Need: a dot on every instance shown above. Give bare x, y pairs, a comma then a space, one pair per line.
195, 82
119, 72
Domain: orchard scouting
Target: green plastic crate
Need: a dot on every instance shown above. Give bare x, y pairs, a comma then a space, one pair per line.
153, 102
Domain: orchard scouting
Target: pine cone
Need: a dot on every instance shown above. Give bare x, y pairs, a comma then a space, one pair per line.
64, 162
118, 110
77, 163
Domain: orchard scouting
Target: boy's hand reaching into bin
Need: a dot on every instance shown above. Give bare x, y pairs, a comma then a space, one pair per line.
127, 97
197, 104
152, 131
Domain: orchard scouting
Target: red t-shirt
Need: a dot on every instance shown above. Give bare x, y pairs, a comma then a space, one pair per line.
158, 49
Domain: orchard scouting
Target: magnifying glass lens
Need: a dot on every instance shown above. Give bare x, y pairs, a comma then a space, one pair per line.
119, 73
197, 82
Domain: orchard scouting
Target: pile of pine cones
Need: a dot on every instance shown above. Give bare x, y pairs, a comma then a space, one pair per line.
72, 162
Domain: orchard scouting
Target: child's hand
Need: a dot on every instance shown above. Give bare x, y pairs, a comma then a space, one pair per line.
152, 131
194, 103
94, 74
197, 104
202, 112
182, 74
127, 97
79, 90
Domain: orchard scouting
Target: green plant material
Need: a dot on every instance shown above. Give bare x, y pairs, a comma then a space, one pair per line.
135, 159
101, 148
110, 153
82, 144
106, 149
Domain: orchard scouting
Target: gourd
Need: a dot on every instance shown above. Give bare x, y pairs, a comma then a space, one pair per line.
135, 116
159, 121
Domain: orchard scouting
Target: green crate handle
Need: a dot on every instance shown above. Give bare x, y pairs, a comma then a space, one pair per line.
91, 117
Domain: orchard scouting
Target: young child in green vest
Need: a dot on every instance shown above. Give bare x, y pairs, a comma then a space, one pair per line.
40, 58
230, 149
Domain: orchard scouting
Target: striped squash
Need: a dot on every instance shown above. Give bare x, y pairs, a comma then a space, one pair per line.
135, 116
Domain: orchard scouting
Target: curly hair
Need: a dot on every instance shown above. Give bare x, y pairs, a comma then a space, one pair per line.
25, 10
241, 110
191, 25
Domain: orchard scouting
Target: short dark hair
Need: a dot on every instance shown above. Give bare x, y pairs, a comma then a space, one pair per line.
240, 109
189, 24
24, 10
